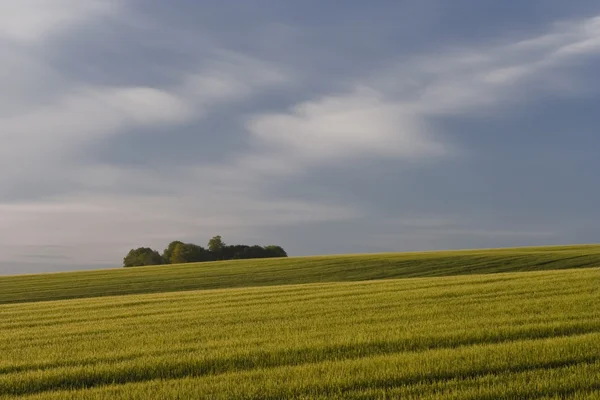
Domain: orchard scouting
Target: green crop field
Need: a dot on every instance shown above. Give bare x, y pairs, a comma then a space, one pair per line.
268, 272
311, 328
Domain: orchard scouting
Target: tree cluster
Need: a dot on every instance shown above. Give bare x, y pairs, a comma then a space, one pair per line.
179, 253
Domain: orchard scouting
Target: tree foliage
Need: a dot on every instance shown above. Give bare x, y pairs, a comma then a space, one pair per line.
168, 253
275, 251
216, 245
240, 251
188, 252
142, 256
178, 252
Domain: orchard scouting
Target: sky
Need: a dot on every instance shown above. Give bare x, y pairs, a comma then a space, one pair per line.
323, 127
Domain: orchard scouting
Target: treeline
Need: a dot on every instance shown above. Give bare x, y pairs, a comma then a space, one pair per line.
179, 253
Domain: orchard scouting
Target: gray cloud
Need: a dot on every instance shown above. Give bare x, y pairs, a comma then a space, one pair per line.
160, 132
34, 20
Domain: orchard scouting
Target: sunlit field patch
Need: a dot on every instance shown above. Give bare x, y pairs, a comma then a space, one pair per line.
500, 335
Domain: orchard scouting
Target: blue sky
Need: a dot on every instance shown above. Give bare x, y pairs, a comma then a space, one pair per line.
325, 127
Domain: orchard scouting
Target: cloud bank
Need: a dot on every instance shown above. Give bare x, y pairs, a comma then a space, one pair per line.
62, 205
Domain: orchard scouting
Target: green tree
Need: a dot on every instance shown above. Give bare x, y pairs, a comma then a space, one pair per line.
275, 251
168, 252
142, 256
188, 252
178, 252
216, 245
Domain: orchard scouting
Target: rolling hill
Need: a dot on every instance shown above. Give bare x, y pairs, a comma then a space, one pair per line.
295, 270
486, 324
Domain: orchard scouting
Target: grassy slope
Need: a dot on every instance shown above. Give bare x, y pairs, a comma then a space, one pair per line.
525, 335
27, 288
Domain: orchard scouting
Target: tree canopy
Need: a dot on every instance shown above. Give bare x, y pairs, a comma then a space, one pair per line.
188, 252
142, 256
178, 252
168, 253
216, 244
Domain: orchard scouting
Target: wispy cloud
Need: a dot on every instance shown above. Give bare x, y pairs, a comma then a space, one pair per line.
388, 112
50, 121
361, 123
50, 134
34, 20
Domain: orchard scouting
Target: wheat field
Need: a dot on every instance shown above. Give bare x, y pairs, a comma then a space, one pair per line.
294, 270
509, 335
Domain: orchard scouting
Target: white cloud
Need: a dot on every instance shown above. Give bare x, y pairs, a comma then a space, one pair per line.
344, 127
464, 82
90, 111
35, 20
389, 114
49, 134
28, 33
86, 111
40, 144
